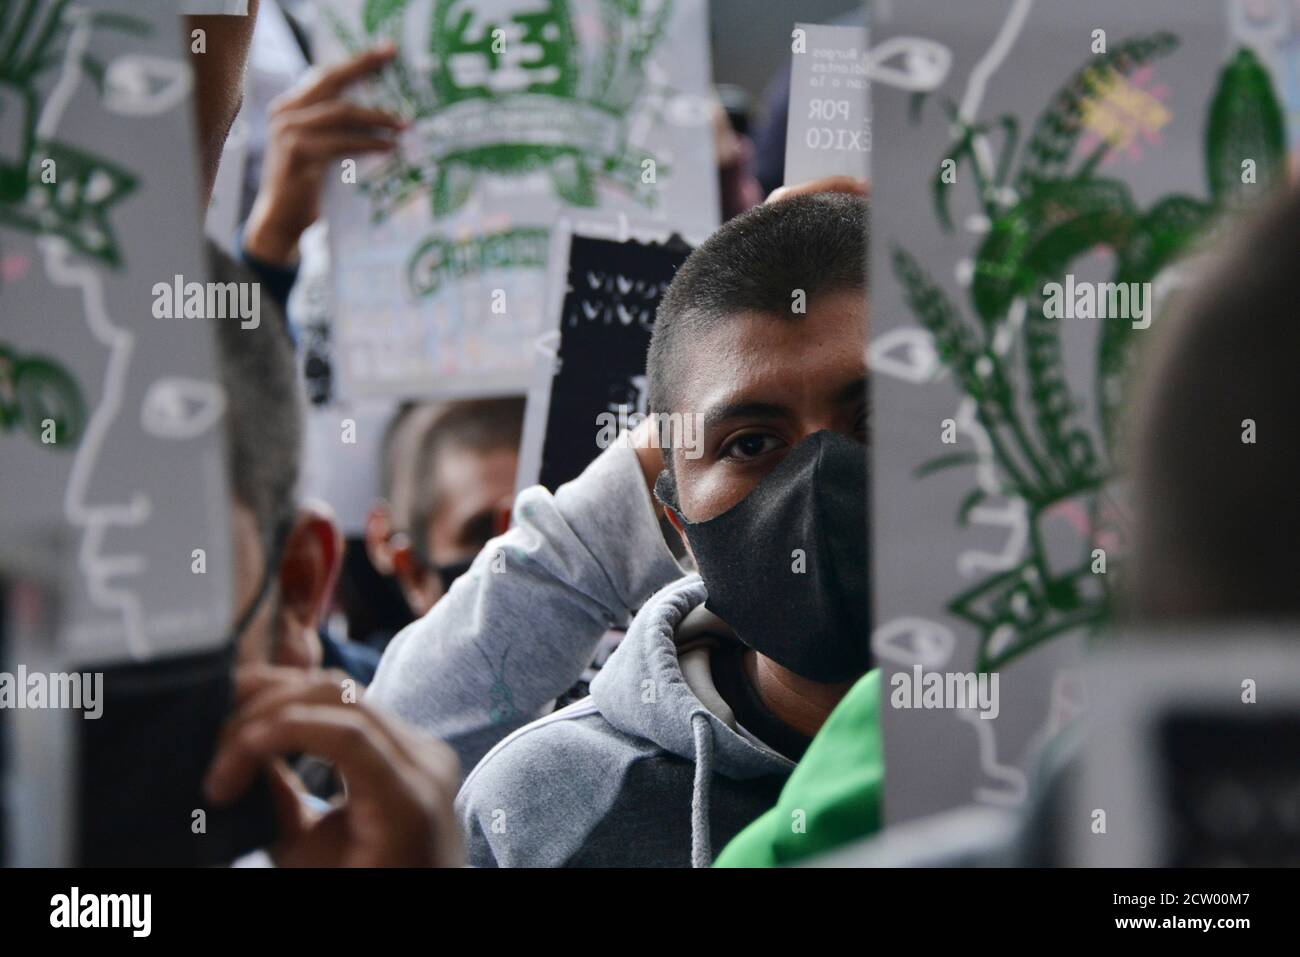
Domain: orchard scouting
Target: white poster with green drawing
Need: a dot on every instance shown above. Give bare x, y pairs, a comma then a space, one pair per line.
110, 418
521, 110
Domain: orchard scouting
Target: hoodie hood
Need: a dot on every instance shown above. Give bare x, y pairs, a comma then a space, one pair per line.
643, 692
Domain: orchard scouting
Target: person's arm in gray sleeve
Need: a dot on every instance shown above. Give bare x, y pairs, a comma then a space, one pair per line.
517, 629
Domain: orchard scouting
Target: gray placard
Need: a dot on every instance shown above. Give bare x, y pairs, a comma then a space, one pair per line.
521, 113
1000, 523
110, 418
828, 130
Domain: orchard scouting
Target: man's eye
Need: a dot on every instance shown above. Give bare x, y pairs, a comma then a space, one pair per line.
750, 446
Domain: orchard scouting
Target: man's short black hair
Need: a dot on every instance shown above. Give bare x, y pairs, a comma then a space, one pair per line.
395, 453
755, 263
264, 412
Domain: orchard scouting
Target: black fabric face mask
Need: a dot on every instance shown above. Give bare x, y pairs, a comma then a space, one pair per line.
141, 764
449, 573
786, 567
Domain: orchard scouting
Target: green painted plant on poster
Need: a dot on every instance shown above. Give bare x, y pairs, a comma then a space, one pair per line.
47, 187
1048, 205
515, 91
40, 397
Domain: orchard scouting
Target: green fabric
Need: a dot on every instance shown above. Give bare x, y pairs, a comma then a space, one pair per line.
837, 787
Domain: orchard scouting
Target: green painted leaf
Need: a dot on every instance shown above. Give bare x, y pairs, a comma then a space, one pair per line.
952, 460
1056, 221
1245, 123
379, 12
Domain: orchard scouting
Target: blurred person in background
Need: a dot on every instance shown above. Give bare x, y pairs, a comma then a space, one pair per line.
738, 187
1218, 518
397, 808
448, 480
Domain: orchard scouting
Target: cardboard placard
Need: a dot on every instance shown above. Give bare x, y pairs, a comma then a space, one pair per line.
110, 418
611, 290
522, 110
828, 128
1029, 220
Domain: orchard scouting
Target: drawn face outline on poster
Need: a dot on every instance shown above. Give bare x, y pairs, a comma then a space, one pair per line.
174, 407
910, 355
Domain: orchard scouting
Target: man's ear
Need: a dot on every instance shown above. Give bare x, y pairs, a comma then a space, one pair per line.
309, 569
378, 534
420, 588
407, 569
501, 519
676, 522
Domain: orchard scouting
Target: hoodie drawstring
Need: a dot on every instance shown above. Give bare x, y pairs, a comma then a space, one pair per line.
701, 853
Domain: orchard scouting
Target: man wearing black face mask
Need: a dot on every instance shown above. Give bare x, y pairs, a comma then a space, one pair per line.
723, 679
448, 482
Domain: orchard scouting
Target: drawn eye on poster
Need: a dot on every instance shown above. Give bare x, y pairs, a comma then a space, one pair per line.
109, 418
1071, 161
593, 383
522, 111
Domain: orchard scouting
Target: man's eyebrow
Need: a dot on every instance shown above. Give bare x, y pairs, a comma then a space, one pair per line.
748, 410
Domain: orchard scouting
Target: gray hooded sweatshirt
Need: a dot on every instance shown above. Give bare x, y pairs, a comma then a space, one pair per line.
518, 629
650, 770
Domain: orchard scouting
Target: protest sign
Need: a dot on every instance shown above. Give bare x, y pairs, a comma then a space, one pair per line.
828, 131
1072, 156
611, 290
110, 418
520, 110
